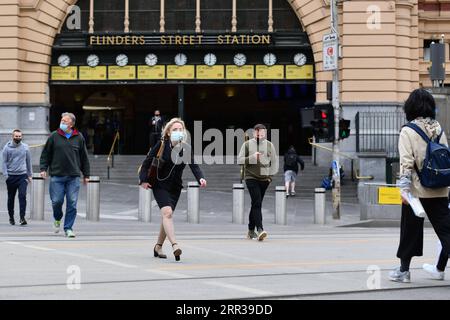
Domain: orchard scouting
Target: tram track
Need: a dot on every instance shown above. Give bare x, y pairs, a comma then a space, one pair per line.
222, 277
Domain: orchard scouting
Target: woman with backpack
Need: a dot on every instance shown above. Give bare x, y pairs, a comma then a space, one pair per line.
420, 110
291, 162
170, 153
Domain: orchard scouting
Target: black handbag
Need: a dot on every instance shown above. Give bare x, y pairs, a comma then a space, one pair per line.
157, 163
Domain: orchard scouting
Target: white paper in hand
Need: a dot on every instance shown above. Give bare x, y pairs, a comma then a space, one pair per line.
415, 204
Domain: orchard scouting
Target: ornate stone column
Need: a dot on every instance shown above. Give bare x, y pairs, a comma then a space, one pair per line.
270, 21
162, 21
91, 16
197, 17
234, 18
126, 23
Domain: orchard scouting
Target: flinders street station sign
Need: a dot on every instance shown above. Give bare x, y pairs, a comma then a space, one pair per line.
179, 40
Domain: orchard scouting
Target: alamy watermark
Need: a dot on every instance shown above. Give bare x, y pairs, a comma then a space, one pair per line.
223, 147
73, 21
74, 279
374, 280
374, 20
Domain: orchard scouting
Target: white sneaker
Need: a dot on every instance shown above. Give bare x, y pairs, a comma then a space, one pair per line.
433, 272
57, 226
70, 233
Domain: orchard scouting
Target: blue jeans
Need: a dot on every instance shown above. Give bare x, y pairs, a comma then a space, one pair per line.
68, 187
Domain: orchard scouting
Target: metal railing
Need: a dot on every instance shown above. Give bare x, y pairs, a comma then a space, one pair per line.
354, 169
110, 159
379, 132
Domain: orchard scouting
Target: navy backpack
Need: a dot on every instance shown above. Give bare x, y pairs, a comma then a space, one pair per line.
436, 166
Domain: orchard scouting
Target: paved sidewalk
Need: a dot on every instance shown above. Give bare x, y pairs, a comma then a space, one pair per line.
120, 202
113, 258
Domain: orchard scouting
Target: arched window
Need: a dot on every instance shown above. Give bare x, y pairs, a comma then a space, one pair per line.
215, 15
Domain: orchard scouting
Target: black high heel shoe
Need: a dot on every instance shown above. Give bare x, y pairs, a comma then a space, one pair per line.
176, 251
158, 253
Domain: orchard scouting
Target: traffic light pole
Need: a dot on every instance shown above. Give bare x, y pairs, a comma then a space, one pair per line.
336, 192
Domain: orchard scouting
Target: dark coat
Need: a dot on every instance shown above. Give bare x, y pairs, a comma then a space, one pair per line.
65, 157
293, 167
170, 175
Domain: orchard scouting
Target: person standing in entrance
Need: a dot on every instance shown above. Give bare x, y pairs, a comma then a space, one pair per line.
168, 185
156, 126
65, 157
291, 162
260, 161
18, 172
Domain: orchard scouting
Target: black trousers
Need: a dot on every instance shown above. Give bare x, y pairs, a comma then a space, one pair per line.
411, 228
257, 190
14, 183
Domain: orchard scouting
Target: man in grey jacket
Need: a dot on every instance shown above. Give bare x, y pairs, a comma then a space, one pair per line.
18, 172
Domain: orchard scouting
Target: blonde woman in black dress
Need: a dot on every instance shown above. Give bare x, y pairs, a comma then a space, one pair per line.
167, 188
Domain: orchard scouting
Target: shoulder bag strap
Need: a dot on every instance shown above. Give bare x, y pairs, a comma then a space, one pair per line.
419, 131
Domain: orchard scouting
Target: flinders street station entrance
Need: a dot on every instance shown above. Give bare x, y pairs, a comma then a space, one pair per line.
114, 80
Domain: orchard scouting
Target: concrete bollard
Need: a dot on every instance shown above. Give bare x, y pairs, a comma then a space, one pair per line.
145, 205
37, 197
93, 199
238, 203
193, 202
319, 206
280, 205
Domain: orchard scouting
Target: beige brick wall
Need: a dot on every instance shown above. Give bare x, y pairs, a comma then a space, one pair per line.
379, 62
27, 31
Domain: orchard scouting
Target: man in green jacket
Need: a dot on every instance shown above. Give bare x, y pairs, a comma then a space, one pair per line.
65, 157
260, 161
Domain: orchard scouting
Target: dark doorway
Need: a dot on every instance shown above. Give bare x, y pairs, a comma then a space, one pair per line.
278, 106
104, 110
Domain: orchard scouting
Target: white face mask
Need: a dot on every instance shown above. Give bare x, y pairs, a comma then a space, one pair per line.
176, 136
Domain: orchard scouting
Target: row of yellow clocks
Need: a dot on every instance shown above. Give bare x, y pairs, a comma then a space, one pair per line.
181, 59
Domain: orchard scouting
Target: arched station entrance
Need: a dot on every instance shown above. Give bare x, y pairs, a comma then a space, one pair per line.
113, 79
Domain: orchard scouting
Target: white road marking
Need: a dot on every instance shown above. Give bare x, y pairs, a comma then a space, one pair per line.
124, 213
116, 263
36, 247
12, 242
78, 255
229, 255
238, 288
111, 216
168, 273
30, 246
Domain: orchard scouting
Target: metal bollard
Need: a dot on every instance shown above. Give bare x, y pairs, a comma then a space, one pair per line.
280, 205
319, 205
93, 199
193, 199
238, 203
145, 205
37, 197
